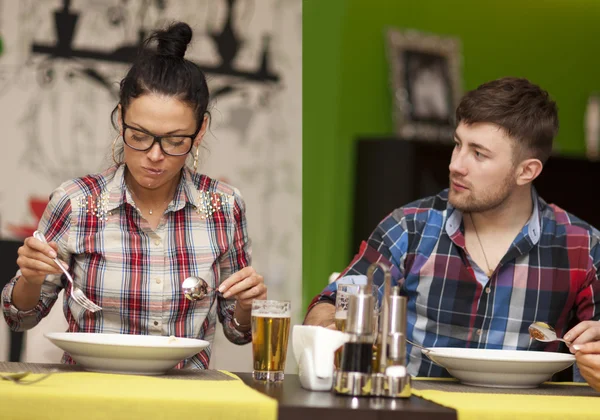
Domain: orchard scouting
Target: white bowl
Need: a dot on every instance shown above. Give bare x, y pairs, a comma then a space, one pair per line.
126, 353
500, 368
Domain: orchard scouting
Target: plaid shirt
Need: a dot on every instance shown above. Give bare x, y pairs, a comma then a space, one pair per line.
136, 273
549, 273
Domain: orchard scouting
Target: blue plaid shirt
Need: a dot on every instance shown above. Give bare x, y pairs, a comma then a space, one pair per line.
549, 273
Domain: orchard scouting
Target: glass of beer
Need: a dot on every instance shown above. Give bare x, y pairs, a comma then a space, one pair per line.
270, 332
342, 298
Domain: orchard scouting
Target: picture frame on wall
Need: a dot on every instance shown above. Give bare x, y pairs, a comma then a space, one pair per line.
426, 83
592, 126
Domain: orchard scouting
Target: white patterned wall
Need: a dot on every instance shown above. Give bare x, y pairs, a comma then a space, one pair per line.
55, 122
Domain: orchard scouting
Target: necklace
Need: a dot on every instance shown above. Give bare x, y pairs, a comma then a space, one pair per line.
490, 271
135, 197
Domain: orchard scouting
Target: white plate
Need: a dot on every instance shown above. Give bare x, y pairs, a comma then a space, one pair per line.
500, 368
126, 353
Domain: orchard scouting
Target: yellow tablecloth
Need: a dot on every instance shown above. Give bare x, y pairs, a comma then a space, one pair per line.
90, 396
491, 406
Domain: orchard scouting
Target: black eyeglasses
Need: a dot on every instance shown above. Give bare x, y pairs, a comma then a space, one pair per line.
171, 144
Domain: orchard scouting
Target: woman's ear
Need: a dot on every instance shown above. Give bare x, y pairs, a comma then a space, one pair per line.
202, 131
120, 119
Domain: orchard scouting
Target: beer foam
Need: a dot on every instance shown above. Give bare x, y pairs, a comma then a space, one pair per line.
272, 315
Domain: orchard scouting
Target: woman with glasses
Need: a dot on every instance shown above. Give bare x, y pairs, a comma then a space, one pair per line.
131, 235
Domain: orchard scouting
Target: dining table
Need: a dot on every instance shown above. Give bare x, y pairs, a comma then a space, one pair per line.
72, 392
297, 403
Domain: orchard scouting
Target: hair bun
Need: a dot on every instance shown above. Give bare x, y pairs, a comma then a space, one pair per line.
173, 40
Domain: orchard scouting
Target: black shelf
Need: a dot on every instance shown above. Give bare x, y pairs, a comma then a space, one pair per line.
392, 172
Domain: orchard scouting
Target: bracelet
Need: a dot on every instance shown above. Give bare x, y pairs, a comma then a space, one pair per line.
238, 325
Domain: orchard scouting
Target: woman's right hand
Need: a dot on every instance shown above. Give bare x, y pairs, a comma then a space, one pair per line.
36, 260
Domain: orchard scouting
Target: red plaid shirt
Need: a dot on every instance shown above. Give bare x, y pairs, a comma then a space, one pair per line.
135, 273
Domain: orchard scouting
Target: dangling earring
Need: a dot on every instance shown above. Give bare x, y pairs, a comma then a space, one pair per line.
196, 159
113, 150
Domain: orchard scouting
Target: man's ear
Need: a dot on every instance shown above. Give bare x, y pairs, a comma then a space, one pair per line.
528, 170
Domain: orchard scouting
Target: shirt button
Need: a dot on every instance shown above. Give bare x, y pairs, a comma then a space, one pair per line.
155, 323
488, 290
157, 242
157, 281
478, 332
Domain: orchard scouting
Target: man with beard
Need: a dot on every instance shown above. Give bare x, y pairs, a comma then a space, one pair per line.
483, 259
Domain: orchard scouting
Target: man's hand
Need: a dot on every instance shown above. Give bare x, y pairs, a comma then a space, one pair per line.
322, 315
582, 333
588, 361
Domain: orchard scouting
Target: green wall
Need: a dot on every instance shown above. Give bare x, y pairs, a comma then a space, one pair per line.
555, 43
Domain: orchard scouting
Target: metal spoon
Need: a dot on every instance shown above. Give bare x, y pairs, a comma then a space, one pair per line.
544, 333
196, 288
427, 350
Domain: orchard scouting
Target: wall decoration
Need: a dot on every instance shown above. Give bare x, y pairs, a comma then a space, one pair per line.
60, 66
425, 79
592, 127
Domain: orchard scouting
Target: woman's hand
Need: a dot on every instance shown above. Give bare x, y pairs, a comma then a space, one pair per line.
36, 260
245, 286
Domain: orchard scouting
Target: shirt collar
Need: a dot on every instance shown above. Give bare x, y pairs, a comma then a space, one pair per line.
118, 193
534, 224
531, 229
187, 192
117, 189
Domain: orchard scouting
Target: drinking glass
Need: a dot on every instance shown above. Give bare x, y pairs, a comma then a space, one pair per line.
270, 332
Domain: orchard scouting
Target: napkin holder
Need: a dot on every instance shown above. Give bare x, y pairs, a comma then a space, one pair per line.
314, 349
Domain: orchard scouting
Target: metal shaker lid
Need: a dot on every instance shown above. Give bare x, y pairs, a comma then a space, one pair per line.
397, 312
397, 327
360, 314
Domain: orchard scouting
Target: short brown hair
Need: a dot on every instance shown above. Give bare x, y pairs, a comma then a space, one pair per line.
522, 109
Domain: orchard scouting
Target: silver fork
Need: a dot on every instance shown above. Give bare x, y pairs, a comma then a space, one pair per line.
18, 377
76, 293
